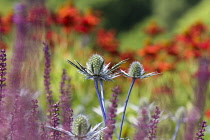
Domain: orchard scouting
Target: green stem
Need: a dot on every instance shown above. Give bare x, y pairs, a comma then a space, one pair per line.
125, 106
99, 99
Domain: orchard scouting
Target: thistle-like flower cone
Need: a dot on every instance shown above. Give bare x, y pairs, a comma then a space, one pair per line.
96, 69
80, 125
95, 64
136, 71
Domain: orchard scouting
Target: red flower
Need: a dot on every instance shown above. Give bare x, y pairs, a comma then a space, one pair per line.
3, 45
37, 15
127, 55
150, 50
163, 66
68, 17
207, 113
6, 23
52, 38
172, 49
87, 23
153, 29
205, 45
107, 41
197, 29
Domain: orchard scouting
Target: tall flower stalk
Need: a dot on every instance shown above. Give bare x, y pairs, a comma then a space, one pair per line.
142, 125
2, 73
100, 100
65, 105
47, 70
153, 124
102, 94
97, 71
112, 110
2, 87
201, 130
135, 72
203, 79
55, 121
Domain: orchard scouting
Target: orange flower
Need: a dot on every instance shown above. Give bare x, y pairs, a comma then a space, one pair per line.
68, 17
163, 66
197, 29
205, 45
6, 23
87, 23
150, 50
3, 45
107, 41
172, 49
153, 29
127, 55
207, 114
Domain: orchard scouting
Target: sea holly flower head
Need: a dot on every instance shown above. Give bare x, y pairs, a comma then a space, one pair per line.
80, 125
96, 69
136, 71
95, 64
82, 129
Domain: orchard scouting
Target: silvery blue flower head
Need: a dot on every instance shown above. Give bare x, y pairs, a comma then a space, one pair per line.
96, 69
136, 71
81, 129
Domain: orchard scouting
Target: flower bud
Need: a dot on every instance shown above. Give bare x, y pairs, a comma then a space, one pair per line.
95, 64
80, 125
136, 70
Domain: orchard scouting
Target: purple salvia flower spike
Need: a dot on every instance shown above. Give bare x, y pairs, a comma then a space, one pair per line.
110, 122
153, 124
18, 57
47, 70
66, 111
203, 77
142, 125
33, 124
201, 130
2, 87
2, 74
55, 121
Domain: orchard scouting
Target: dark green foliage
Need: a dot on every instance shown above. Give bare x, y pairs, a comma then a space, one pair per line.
123, 14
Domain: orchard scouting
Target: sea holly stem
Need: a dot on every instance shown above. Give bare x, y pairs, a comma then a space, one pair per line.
136, 71
179, 118
176, 130
100, 100
102, 94
125, 106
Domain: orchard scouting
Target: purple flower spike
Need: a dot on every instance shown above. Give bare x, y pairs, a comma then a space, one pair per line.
48, 91
2, 73
47, 74
19, 50
3, 117
33, 124
153, 124
110, 122
201, 131
66, 111
142, 126
55, 121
